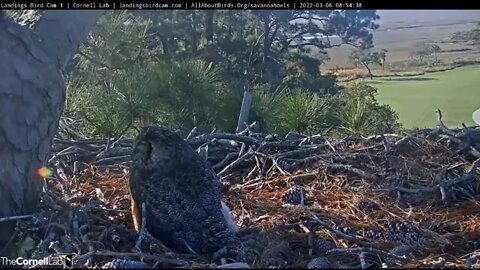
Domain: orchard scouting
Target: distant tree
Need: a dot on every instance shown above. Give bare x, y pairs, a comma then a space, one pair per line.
298, 31
257, 46
435, 49
468, 36
383, 56
366, 58
426, 49
301, 71
421, 51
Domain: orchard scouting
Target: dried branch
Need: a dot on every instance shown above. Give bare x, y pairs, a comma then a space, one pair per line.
15, 218
157, 258
234, 163
369, 250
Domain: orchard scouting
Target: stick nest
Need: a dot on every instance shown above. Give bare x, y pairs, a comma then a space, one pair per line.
366, 196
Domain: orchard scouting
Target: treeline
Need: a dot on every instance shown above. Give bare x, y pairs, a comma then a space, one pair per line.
189, 69
472, 35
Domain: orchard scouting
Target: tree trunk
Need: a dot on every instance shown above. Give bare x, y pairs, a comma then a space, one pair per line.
369, 72
269, 35
32, 94
209, 26
266, 48
194, 33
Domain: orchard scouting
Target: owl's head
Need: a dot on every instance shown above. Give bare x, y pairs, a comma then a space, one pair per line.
155, 145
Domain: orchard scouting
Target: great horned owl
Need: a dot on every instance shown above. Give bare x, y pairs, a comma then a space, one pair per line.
181, 193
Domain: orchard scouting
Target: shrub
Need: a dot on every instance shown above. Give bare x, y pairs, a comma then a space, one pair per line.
303, 112
266, 107
357, 112
115, 106
181, 94
191, 94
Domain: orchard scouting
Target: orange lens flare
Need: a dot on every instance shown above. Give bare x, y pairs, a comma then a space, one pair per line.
44, 172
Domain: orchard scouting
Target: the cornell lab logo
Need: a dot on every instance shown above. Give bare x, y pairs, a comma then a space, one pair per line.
64, 260
67, 260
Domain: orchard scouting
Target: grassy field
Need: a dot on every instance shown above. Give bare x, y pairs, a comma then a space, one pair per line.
400, 30
456, 92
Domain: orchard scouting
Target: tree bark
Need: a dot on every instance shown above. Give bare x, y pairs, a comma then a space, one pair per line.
265, 47
165, 46
194, 33
32, 95
209, 26
369, 71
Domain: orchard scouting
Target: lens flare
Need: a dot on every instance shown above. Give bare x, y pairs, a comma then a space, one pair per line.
45, 172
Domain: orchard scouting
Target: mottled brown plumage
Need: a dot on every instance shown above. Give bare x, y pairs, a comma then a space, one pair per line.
181, 194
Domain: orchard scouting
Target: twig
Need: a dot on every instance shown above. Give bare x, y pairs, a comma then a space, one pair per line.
203, 151
441, 126
112, 152
334, 156
70, 150
110, 159
15, 218
190, 134
291, 135
300, 152
369, 250
386, 143
362, 256
304, 228
330, 145
374, 137
351, 169
89, 141
206, 137
235, 265
473, 169
275, 163
62, 178
337, 232
290, 178
75, 173
409, 190
224, 161
234, 163
403, 141
252, 172
158, 258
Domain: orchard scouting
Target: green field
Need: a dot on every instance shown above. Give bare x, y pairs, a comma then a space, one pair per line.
456, 92
400, 30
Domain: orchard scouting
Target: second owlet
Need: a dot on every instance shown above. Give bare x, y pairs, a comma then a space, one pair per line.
180, 190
